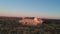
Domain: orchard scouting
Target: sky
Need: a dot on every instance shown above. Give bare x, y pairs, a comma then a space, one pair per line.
40, 8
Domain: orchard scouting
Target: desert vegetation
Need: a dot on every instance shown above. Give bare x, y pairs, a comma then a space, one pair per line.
12, 26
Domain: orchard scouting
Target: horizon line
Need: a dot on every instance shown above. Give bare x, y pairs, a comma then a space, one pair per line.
30, 16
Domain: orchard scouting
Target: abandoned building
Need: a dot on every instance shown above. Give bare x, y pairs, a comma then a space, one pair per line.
31, 21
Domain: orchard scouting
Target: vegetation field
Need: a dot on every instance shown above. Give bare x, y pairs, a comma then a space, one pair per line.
12, 26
